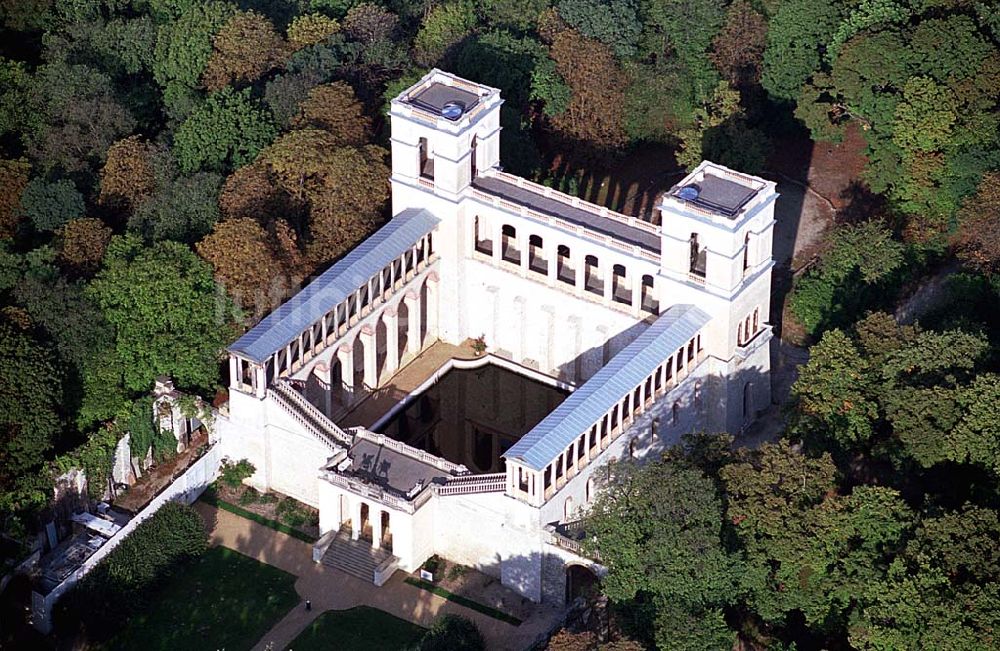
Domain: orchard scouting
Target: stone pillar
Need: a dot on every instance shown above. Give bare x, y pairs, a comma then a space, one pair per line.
497, 241
356, 519
260, 377
551, 263
391, 317
524, 247
519, 318
636, 294
346, 356
371, 356
579, 271
375, 514
235, 381
609, 283
413, 343
432, 304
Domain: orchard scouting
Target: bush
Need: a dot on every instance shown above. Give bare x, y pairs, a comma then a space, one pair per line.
50, 205
293, 514
232, 474
121, 583
452, 633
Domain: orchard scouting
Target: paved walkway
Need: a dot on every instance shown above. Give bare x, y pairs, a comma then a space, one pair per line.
417, 371
331, 589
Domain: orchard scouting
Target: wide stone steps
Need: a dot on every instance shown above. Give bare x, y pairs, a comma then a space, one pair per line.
355, 557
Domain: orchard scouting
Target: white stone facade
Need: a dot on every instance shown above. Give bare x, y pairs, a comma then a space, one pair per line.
552, 284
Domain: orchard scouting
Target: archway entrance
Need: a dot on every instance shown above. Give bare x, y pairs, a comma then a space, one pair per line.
365, 527
580, 581
402, 328
358, 381
381, 349
386, 542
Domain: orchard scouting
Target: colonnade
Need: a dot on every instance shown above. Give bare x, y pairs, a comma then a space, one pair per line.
537, 486
557, 263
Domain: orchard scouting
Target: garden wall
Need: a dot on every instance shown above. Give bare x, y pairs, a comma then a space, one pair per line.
186, 488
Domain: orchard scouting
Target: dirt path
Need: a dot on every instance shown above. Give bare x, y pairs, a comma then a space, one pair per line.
330, 589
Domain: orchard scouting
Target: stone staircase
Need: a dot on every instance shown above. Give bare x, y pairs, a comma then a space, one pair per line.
357, 558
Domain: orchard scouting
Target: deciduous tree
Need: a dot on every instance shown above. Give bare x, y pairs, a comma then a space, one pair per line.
50, 204
244, 48
335, 109
129, 175
444, 27
595, 112
978, 238
244, 261
615, 23
310, 29
82, 245
184, 45
13, 180
227, 132
738, 49
168, 316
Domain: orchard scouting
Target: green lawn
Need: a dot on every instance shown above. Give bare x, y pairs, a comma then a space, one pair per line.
223, 600
358, 629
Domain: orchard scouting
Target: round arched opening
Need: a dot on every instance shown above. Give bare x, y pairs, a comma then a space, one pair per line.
580, 582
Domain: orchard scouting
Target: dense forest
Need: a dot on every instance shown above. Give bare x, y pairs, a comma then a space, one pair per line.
171, 170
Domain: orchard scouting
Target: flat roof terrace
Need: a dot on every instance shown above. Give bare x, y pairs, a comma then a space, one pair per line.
381, 465
717, 190
531, 197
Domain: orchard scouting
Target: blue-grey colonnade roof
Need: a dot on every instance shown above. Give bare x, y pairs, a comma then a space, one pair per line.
333, 286
596, 397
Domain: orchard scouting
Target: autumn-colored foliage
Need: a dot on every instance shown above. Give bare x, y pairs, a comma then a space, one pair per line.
310, 29
247, 263
129, 175
738, 49
334, 108
82, 244
244, 49
978, 238
595, 114
13, 179
252, 192
369, 23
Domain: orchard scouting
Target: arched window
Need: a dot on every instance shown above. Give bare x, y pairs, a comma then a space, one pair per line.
590, 490
564, 271
592, 280
426, 162
698, 257
632, 446
675, 413
739, 334
508, 244
472, 158
536, 261
648, 300
483, 244
568, 510
746, 253
697, 395
756, 325
746, 327
620, 291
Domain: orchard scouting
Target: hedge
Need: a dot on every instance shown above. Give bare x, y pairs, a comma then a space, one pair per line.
464, 601
211, 497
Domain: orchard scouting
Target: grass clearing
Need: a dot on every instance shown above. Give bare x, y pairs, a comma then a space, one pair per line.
358, 629
222, 600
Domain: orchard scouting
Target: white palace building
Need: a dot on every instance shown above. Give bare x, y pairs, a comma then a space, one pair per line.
606, 337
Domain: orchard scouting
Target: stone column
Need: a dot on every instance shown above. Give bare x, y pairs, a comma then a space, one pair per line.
413, 343
524, 247
346, 356
609, 283
636, 294
375, 514
371, 356
552, 264
391, 318
432, 304
260, 380
235, 379
579, 271
497, 241
356, 518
